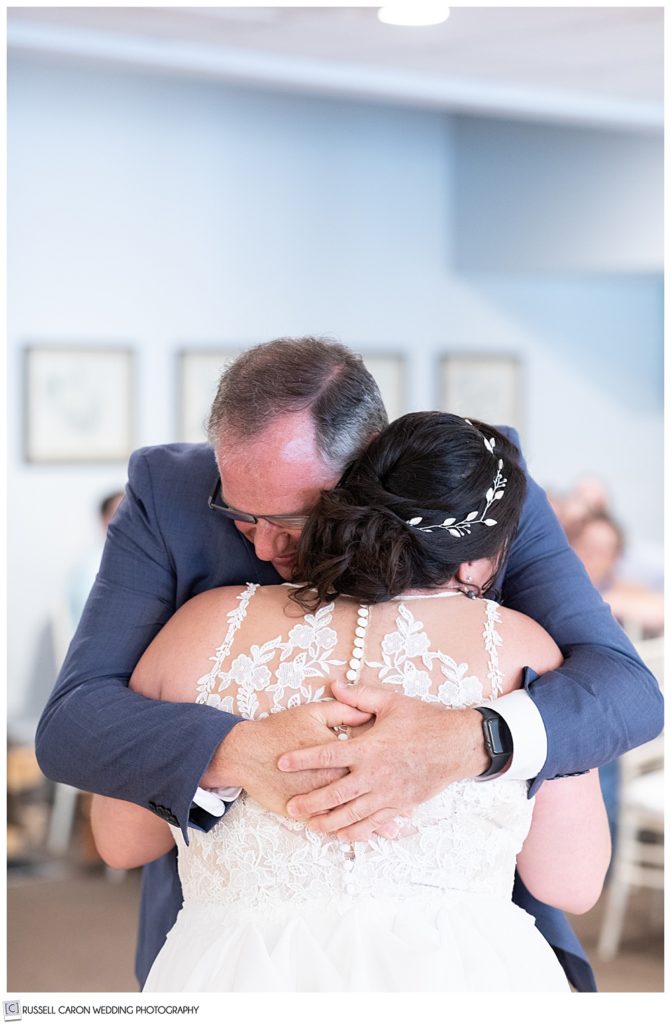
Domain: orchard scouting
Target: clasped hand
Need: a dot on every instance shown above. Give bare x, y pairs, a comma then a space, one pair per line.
410, 753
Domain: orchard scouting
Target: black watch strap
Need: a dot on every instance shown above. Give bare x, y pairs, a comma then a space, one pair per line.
498, 741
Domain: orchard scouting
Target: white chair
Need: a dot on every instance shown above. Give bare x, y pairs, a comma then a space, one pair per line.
639, 853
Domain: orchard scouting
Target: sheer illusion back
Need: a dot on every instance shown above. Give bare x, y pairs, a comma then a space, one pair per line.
396, 644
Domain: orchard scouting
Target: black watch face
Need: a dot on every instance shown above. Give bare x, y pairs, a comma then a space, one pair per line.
494, 735
498, 741
502, 740
496, 738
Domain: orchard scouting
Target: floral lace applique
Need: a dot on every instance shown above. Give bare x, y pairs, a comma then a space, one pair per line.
398, 667
315, 640
492, 641
251, 674
205, 684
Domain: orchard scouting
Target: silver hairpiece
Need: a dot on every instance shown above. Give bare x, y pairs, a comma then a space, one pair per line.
495, 493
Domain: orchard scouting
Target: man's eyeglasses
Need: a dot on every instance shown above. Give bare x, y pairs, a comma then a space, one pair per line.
216, 502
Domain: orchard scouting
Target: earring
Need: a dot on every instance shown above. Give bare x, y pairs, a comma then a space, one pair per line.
469, 579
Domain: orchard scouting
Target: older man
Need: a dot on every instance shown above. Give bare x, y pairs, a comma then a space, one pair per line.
287, 418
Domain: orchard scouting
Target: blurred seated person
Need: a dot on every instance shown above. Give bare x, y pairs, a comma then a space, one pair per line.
598, 540
587, 497
640, 562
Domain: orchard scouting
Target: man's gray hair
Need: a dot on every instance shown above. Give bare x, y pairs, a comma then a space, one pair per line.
291, 375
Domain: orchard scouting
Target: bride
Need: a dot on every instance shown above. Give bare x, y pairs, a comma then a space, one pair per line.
392, 564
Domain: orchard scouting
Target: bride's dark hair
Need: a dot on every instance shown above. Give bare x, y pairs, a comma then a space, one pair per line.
428, 465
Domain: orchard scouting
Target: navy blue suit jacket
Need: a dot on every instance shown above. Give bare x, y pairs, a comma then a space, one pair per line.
165, 546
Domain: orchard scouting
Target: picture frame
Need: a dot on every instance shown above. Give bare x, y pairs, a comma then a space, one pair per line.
390, 373
198, 374
78, 403
482, 386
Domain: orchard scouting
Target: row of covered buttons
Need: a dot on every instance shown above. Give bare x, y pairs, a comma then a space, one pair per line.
356, 660
352, 675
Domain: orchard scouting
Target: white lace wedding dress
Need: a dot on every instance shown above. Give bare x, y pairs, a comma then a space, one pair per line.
272, 906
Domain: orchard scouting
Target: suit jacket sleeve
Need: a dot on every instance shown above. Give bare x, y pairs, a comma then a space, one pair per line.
95, 733
603, 700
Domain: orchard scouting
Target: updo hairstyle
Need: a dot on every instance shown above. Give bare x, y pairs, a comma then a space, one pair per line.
427, 465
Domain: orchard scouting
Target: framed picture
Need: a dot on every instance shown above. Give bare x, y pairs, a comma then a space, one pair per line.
198, 376
390, 373
485, 387
78, 403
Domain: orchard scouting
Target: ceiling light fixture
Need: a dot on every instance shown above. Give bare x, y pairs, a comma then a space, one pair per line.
421, 12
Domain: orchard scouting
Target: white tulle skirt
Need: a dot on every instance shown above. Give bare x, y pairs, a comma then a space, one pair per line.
456, 942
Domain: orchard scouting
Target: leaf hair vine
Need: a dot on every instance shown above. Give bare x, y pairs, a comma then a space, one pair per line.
495, 493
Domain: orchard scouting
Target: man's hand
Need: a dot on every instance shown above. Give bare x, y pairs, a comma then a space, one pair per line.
412, 752
248, 756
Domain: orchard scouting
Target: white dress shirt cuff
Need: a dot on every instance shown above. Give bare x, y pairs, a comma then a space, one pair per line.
530, 745
213, 800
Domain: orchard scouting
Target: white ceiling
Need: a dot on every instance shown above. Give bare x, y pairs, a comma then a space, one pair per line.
576, 64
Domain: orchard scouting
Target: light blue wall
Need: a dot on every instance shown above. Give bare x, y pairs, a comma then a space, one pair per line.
557, 198
162, 212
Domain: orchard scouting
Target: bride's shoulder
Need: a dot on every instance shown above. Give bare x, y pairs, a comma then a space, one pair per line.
213, 602
186, 641
526, 642
212, 606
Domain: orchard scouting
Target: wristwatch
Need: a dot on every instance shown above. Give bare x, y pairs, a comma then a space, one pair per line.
498, 742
